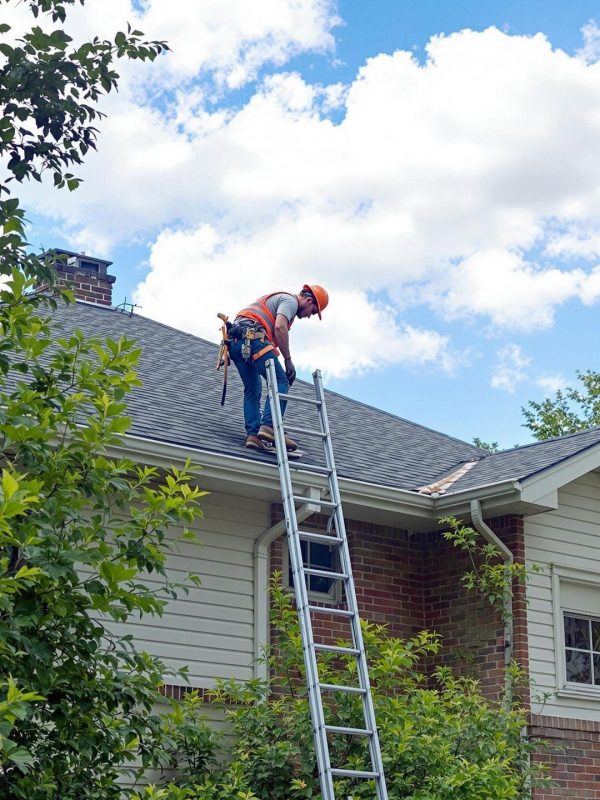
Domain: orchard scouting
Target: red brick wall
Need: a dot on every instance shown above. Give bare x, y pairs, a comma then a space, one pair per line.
387, 569
472, 631
412, 582
87, 285
573, 754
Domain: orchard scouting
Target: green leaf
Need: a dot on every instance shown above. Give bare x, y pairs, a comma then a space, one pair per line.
9, 485
21, 757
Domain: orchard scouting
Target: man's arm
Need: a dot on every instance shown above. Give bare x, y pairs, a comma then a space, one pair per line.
282, 337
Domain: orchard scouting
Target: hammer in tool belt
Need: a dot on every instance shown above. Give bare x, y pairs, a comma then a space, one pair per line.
223, 356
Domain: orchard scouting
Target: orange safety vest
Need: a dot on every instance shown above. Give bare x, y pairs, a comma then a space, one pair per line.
260, 313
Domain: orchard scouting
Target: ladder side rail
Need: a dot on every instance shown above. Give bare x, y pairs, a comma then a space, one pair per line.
367, 699
301, 592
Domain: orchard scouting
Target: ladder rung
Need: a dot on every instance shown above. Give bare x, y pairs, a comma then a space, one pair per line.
299, 466
334, 648
355, 773
305, 431
302, 499
350, 731
348, 689
337, 612
325, 573
308, 400
321, 538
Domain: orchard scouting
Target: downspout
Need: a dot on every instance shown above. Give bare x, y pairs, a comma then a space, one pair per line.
507, 555
261, 579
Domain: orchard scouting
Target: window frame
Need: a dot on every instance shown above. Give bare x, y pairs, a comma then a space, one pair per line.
333, 597
578, 577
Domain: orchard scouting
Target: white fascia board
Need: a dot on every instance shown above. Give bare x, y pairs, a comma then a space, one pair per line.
212, 465
233, 469
386, 498
490, 496
510, 488
551, 479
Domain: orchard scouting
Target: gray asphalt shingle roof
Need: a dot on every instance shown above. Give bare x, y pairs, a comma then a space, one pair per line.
521, 463
179, 403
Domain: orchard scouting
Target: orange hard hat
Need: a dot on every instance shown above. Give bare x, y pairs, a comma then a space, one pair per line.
320, 295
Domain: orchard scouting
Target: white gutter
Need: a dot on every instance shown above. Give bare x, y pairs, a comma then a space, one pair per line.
261, 580
487, 491
507, 555
242, 470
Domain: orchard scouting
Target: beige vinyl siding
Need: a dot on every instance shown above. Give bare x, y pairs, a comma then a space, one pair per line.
569, 538
211, 628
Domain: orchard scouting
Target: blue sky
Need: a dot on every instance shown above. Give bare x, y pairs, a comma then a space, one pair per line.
443, 185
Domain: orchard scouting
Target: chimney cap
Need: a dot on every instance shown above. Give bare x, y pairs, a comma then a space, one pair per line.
59, 251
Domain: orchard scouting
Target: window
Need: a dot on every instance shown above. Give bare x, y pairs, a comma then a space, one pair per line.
576, 613
318, 556
582, 649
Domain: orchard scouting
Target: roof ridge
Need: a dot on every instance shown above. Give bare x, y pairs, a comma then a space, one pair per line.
546, 441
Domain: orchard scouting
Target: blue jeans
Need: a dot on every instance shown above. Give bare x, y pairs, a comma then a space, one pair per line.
251, 373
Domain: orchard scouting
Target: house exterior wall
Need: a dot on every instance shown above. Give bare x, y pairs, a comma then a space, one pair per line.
564, 544
387, 569
211, 629
565, 541
472, 631
573, 752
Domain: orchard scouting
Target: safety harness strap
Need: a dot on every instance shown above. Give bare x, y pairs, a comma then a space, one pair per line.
264, 350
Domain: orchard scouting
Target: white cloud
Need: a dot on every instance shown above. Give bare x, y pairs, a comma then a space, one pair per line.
234, 40
513, 293
510, 368
578, 241
436, 187
590, 52
551, 383
213, 275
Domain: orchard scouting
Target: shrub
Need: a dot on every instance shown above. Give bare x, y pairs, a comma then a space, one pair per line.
441, 739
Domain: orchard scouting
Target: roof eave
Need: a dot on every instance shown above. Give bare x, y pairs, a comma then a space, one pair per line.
496, 499
368, 501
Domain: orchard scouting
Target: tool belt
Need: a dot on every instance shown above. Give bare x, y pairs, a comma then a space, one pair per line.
248, 334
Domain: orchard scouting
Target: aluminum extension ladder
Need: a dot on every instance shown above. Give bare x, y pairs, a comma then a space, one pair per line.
321, 730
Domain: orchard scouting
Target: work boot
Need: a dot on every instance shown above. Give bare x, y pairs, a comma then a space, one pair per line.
254, 443
267, 434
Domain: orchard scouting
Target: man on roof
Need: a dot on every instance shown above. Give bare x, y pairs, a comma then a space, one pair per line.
260, 332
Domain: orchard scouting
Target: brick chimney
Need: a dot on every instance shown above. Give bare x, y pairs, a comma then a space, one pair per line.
86, 275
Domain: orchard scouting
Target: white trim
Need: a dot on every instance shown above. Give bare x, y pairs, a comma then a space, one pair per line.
582, 577
562, 473
241, 470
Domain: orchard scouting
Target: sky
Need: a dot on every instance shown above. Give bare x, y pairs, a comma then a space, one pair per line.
435, 164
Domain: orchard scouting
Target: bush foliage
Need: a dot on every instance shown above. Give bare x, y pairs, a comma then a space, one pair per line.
440, 738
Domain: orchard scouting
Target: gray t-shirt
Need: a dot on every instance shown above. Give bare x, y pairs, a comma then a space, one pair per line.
286, 304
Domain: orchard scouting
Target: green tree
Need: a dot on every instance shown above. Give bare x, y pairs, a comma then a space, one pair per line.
568, 411
493, 447
80, 529
49, 89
